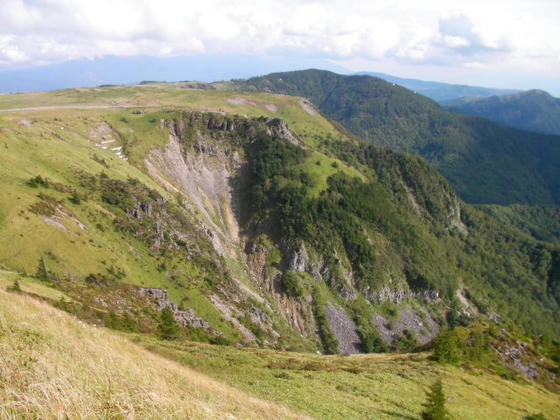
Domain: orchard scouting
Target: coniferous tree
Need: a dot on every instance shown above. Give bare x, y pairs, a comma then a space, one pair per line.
435, 405
15, 287
168, 328
42, 273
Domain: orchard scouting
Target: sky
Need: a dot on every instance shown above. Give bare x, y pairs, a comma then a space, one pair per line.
507, 44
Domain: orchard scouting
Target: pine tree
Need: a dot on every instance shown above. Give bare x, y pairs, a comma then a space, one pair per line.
168, 328
435, 405
42, 273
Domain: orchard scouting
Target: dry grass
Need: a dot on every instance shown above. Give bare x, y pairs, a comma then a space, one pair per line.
54, 366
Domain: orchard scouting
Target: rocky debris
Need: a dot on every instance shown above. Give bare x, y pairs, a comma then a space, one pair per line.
228, 313
518, 357
495, 317
104, 136
424, 327
102, 131
185, 318
397, 296
469, 309
205, 180
238, 100
344, 330
417, 208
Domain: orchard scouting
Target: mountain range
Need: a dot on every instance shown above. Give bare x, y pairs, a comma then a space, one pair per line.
439, 91
533, 110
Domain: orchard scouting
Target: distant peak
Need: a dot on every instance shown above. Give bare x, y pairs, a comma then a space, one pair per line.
535, 92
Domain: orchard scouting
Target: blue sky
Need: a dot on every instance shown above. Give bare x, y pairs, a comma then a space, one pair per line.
493, 43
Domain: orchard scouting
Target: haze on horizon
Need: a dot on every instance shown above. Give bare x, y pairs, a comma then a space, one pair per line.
504, 44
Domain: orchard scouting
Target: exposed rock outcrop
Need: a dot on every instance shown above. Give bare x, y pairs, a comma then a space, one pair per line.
185, 318
397, 296
454, 216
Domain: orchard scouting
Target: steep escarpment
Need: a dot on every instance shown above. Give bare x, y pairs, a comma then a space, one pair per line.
368, 251
204, 164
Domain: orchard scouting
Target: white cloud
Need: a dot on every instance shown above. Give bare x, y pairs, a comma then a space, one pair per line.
455, 41
431, 32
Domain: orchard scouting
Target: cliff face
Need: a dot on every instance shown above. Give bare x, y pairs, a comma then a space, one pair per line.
203, 163
207, 163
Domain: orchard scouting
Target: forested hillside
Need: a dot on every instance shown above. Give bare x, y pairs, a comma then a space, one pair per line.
484, 161
533, 110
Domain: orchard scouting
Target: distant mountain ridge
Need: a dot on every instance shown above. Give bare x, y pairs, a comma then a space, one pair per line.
439, 91
533, 110
485, 162
127, 70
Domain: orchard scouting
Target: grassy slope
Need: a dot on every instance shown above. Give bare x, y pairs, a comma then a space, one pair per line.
56, 142
108, 376
115, 377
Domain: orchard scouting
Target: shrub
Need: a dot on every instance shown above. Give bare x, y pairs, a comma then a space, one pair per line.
538, 416
120, 322
75, 198
38, 181
99, 279
330, 343
372, 341
292, 284
406, 342
167, 327
446, 347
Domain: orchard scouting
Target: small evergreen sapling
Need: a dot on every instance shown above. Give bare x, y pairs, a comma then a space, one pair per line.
435, 405
14, 287
42, 273
168, 328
